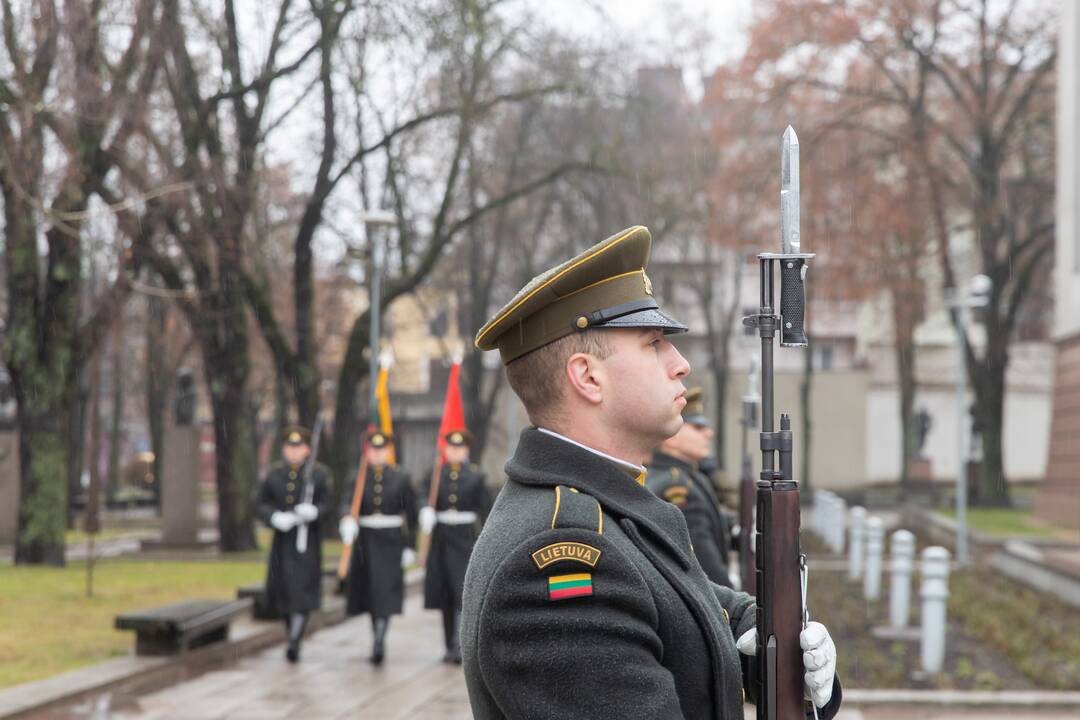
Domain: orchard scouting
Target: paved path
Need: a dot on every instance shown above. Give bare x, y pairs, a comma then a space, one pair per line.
333, 680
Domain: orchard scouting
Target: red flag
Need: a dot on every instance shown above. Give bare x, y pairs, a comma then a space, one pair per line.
453, 416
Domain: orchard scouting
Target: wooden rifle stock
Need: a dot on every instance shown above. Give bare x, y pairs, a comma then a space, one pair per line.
433, 498
779, 607
354, 511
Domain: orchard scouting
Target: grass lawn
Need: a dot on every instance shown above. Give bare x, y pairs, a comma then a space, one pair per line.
48, 625
1004, 521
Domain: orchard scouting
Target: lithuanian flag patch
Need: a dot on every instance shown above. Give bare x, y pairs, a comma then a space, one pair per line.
561, 587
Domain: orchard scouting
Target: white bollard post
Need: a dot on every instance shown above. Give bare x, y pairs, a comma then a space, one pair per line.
856, 521
816, 520
839, 527
902, 553
934, 592
875, 548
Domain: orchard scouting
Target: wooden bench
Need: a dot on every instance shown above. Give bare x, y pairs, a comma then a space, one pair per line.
177, 628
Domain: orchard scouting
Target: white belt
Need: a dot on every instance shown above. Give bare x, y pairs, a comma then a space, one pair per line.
380, 521
456, 517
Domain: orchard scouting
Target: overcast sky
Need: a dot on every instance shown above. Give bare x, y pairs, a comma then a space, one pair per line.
666, 28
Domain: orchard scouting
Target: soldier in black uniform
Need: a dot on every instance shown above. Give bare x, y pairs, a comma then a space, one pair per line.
294, 577
583, 598
460, 509
674, 476
383, 540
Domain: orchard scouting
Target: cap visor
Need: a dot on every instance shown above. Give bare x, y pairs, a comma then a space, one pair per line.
648, 318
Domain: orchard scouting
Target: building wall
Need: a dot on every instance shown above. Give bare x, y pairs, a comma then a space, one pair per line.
838, 401
1059, 499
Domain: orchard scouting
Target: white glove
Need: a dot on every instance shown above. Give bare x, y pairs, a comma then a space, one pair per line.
306, 512
819, 659
284, 521
348, 528
408, 557
747, 642
427, 519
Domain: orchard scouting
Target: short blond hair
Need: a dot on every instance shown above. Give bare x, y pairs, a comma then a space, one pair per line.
537, 377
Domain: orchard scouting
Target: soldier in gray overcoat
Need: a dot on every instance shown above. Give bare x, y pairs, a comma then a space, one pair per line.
583, 598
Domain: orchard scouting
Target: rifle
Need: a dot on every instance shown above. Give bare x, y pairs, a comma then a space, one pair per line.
354, 511
309, 487
433, 498
780, 566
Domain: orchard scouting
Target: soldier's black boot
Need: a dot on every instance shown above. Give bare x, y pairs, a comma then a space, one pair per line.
378, 651
296, 625
451, 622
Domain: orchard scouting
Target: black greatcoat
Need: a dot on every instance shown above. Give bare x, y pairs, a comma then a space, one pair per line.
376, 581
686, 488
653, 638
461, 488
293, 580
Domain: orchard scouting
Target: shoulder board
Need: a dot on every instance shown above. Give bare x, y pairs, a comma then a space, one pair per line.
574, 509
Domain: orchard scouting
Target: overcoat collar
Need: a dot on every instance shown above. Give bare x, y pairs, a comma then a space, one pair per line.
546, 461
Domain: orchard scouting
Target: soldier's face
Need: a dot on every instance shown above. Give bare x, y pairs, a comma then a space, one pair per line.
692, 441
378, 456
295, 454
457, 454
645, 393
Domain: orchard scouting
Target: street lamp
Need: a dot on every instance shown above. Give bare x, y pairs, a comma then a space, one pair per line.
373, 219
978, 295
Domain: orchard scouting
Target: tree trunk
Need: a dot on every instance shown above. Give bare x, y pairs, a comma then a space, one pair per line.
43, 358
117, 429
226, 362
234, 462
989, 376
904, 346
157, 386
345, 450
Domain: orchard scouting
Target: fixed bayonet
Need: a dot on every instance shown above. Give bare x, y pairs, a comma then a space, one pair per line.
779, 566
789, 193
792, 259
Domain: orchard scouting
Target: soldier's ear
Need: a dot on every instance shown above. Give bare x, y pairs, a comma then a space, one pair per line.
586, 377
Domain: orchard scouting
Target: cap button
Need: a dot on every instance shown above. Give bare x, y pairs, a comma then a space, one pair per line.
582, 322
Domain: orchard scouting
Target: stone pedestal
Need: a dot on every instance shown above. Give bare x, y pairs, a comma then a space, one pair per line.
920, 487
180, 486
9, 486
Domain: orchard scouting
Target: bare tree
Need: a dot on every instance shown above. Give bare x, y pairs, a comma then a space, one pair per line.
965, 92
55, 52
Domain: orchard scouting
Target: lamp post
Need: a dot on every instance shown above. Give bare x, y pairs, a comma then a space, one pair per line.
977, 295
373, 219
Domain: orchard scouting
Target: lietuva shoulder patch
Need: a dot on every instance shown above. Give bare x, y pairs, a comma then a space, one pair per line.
572, 509
576, 552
